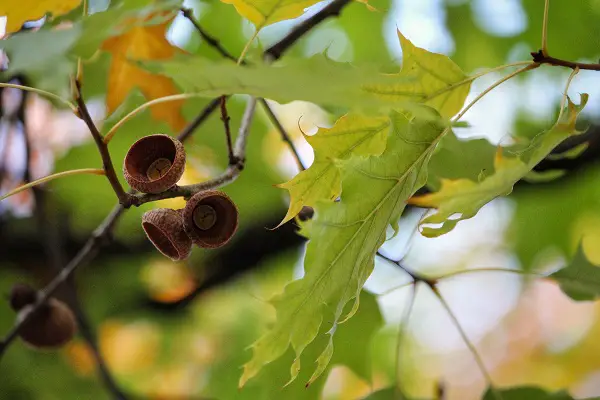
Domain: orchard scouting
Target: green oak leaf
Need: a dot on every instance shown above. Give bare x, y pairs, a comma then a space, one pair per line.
462, 198
455, 158
430, 78
526, 393
344, 237
351, 135
425, 77
580, 279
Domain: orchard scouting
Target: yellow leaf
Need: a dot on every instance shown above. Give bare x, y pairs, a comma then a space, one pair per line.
19, 12
428, 78
432, 79
142, 43
351, 135
266, 12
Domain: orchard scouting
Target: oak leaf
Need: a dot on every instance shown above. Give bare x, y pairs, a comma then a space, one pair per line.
19, 12
461, 199
142, 43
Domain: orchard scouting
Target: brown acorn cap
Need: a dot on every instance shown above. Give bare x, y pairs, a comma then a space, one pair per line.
51, 326
210, 218
21, 295
154, 163
164, 228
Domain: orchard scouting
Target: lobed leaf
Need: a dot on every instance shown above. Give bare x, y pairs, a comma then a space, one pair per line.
142, 43
351, 135
344, 237
426, 77
580, 279
19, 12
265, 12
462, 198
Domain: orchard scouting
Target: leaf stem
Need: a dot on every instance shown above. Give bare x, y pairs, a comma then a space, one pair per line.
240, 60
467, 341
563, 101
174, 97
41, 93
529, 66
545, 29
474, 77
470, 271
107, 164
284, 135
89, 171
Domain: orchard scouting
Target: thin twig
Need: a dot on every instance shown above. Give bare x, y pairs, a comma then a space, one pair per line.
467, 341
204, 114
90, 247
333, 9
225, 118
107, 163
41, 93
540, 58
211, 40
414, 275
53, 248
470, 271
284, 135
545, 29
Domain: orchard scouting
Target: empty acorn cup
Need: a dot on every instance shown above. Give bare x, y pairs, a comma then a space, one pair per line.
210, 218
164, 228
154, 163
52, 324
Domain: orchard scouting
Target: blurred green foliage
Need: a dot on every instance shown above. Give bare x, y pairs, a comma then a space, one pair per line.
200, 350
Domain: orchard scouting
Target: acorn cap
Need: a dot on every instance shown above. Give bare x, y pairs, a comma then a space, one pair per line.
51, 326
210, 218
21, 295
154, 163
164, 228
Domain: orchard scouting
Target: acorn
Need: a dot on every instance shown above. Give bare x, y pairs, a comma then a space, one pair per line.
164, 228
210, 218
51, 326
154, 163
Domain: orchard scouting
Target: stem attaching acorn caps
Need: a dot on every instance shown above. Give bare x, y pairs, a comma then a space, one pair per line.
210, 218
164, 228
52, 324
154, 163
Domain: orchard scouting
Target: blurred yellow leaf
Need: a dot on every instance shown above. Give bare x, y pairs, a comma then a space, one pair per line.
142, 43
19, 12
265, 12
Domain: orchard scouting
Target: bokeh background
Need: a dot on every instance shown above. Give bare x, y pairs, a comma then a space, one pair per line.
181, 330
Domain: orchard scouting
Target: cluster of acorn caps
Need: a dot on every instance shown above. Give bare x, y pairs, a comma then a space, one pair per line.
154, 164
52, 323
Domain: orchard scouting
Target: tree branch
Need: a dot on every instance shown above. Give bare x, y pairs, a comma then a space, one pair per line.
540, 58
212, 41
107, 164
284, 135
333, 9
225, 118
